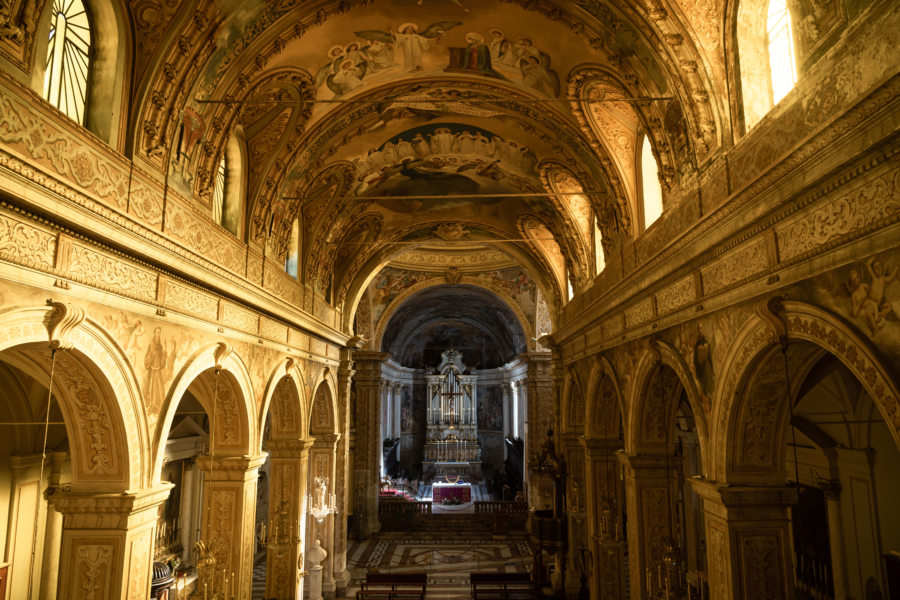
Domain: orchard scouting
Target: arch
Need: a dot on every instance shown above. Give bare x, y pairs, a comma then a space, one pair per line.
111, 51
401, 298
323, 418
95, 383
574, 401
756, 342
238, 391
284, 397
603, 385
645, 424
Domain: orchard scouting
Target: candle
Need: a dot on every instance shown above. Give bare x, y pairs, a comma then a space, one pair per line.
204, 591
232, 584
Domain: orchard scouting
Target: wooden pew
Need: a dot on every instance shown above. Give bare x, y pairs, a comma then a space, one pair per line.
502, 586
393, 586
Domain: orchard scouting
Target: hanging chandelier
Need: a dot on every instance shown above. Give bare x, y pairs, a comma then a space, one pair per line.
321, 504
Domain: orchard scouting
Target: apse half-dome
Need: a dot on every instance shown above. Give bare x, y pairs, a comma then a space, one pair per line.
468, 318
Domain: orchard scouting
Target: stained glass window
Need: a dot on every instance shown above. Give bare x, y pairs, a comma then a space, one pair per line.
68, 58
218, 207
782, 67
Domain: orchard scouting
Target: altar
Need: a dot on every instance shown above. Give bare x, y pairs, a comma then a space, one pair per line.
451, 449
454, 492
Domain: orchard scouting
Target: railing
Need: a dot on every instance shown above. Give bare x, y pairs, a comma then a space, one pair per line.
403, 507
499, 506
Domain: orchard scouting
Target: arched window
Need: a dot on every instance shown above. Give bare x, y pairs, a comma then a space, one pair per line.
292, 260
229, 187
599, 262
766, 57
218, 207
782, 67
651, 190
68, 58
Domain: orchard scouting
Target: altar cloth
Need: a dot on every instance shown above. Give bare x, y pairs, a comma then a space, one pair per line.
457, 491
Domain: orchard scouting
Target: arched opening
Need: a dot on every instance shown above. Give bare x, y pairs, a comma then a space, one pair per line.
80, 64
824, 435
766, 56
605, 501
651, 189
279, 525
229, 188
58, 451
665, 530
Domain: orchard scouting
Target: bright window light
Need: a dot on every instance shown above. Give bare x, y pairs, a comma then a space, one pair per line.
68, 58
782, 67
650, 182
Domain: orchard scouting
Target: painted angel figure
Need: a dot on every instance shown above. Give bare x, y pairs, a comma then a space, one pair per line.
409, 40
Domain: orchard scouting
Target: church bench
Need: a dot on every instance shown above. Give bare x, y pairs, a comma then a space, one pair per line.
385, 594
502, 586
395, 582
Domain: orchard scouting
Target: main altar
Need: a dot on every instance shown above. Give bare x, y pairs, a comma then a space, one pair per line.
452, 451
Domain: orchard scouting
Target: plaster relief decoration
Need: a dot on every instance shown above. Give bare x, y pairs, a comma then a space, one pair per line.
26, 245
442, 160
866, 292
616, 122
93, 570
541, 237
816, 21
388, 284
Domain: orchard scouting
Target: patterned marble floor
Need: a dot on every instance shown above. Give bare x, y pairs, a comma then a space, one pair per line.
447, 559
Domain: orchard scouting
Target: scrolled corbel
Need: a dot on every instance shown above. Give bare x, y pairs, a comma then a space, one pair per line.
62, 320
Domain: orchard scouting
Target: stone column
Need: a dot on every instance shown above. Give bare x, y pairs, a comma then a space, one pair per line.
539, 385
289, 460
748, 540
506, 414
107, 543
342, 488
832, 489
368, 446
650, 495
397, 402
229, 511
53, 533
607, 570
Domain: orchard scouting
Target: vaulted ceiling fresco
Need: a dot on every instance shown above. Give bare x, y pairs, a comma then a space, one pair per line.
388, 125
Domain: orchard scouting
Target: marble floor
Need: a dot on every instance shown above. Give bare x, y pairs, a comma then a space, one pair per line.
447, 558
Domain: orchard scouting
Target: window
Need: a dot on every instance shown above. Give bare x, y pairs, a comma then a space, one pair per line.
599, 263
68, 58
782, 68
650, 187
218, 208
292, 261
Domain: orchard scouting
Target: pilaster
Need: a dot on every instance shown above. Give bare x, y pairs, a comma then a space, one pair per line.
748, 540
368, 445
107, 543
540, 400
650, 493
602, 484
288, 460
229, 495
345, 375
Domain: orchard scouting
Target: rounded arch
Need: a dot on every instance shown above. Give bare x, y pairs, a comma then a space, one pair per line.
94, 383
235, 392
604, 400
756, 423
106, 100
323, 411
651, 415
401, 298
285, 399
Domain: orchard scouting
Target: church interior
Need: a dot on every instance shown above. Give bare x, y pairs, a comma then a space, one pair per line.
406, 298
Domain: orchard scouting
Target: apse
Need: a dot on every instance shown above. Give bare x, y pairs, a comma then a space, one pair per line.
467, 318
